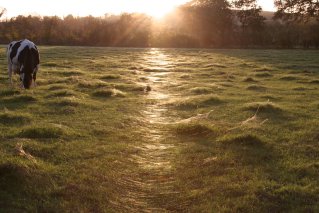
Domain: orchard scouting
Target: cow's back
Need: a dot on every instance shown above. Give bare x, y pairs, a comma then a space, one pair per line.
17, 48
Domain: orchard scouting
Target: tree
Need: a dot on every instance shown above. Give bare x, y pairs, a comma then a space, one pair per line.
297, 9
252, 23
2, 11
211, 20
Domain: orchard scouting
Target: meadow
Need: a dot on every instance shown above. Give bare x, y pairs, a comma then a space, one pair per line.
162, 130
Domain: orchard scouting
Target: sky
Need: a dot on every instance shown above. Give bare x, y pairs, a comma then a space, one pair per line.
156, 8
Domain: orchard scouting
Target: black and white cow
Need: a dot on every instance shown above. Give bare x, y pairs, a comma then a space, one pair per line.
23, 59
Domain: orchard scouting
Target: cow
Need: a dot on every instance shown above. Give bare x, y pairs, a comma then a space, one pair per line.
23, 59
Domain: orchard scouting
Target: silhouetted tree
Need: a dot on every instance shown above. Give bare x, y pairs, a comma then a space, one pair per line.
2, 11
297, 9
199, 23
211, 20
252, 23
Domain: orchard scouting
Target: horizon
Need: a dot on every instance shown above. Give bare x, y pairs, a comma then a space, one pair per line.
156, 9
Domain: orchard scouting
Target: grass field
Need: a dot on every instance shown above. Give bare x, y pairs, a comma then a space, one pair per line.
156, 130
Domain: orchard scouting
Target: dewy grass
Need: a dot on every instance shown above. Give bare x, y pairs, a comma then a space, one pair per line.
142, 130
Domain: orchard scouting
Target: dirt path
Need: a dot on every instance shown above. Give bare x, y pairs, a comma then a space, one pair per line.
152, 188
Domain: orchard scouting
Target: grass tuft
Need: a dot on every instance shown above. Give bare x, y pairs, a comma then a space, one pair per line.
198, 101
9, 92
266, 107
256, 88
107, 93
91, 84
66, 101
195, 129
249, 79
216, 65
185, 76
49, 64
314, 82
42, 132
70, 73
22, 99
57, 87
201, 90
263, 75
289, 78
110, 77
263, 69
13, 118
242, 140
62, 93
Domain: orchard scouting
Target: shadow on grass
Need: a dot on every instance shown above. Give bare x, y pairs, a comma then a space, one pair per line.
17, 176
10, 118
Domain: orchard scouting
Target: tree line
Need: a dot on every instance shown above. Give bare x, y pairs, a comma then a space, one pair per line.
198, 23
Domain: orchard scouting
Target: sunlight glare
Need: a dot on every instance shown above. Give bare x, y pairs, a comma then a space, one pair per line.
154, 8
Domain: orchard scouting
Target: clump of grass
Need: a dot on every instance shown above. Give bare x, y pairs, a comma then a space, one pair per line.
18, 175
314, 82
135, 68
66, 101
249, 79
300, 88
288, 78
226, 84
263, 75
270, 97
35, 132
242, 140
143, 78
130, 87
22, 98
306, 170
256, 88
263, 69
201, 90
185, 76
11, 118
49, 64
9, 92
91, 84
110, 77
266, 107
70, 73
216, 65
195, 129
62, 93
107, 93
198, 101
57, 87
13, 169
148, 88
154, 70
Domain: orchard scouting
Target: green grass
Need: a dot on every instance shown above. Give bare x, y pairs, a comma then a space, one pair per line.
162, 130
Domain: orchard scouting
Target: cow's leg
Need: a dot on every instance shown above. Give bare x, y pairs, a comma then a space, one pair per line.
35, 75
10, 73
34, 78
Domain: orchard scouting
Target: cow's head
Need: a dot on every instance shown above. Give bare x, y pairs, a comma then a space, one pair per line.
26, 77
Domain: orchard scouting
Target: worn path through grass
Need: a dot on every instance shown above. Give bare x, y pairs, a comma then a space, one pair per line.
151, 188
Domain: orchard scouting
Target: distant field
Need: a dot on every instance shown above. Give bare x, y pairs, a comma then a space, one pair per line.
155, 130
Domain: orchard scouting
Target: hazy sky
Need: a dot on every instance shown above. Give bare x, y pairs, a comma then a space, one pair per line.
155, 8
